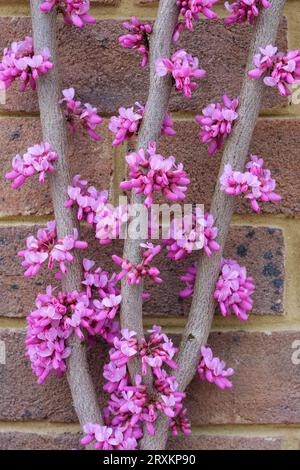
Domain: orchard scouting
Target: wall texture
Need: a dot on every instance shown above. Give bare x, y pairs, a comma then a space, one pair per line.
263, 409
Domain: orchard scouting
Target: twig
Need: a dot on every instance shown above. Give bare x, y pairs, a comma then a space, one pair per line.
156, 108
54, 131
236, 151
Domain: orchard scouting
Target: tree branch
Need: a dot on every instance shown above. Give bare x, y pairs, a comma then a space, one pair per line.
54, 131
236, 151
156, 108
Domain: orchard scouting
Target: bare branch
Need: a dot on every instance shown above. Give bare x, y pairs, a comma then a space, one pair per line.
236, 151
156, 108
54, 131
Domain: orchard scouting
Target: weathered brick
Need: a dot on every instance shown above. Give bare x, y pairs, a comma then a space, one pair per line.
266, 383
33, 441
277, 141
94, 160
111, 76
22, 399
260, 249
67, 441
225, 442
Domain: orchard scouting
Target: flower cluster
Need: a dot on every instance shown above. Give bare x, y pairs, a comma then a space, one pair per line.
130, 406
137, 38
153, 172
216, 122
191, 9
19, 61
233, 290
87, 199
37, 160
75, 12
78, 114
47, 332
135, 273
183, 68
213, 369
281, 70
242, 11
46, 246
128, 122
109, 221
256, 183
193, 232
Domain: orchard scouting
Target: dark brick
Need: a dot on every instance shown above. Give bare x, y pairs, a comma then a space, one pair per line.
34, 441
224, 442
111, 76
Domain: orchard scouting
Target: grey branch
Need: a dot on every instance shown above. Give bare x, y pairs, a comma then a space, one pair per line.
54, 131
156, 108
236, 152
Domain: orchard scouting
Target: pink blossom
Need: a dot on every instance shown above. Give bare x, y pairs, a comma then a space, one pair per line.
19, 61
46, 246
128, 123
74, 11
242, 11
191, 10
109, 221
193, 232
138, 38
87, 198
183, 68
216, 122
213, 370
37, 160
181, 423
135, 273
107, 438
156, 350
233, 290
256, 183
280, 70
189, 278
155, 173
48, 331
78, 114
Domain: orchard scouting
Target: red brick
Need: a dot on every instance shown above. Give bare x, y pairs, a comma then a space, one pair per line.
266, 383
225, 442
94, 160
110, 76
34, 441
260, 249
277, 141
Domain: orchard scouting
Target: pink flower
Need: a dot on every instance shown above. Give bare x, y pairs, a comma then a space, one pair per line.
194, 232
20, 62
87, 198
128, 123
281, 70
189, 278
78, 114
37, 160
109, 221
155, 173
48, 247
157, 350
213, 370
47, 332
138, 38
181, 422
107, 438
135, 273
216, 122
233, 290
191, 9
242, 11
74, 11
183, 68
256, 183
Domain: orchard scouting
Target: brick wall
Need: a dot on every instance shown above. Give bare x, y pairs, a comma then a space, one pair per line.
263, 409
